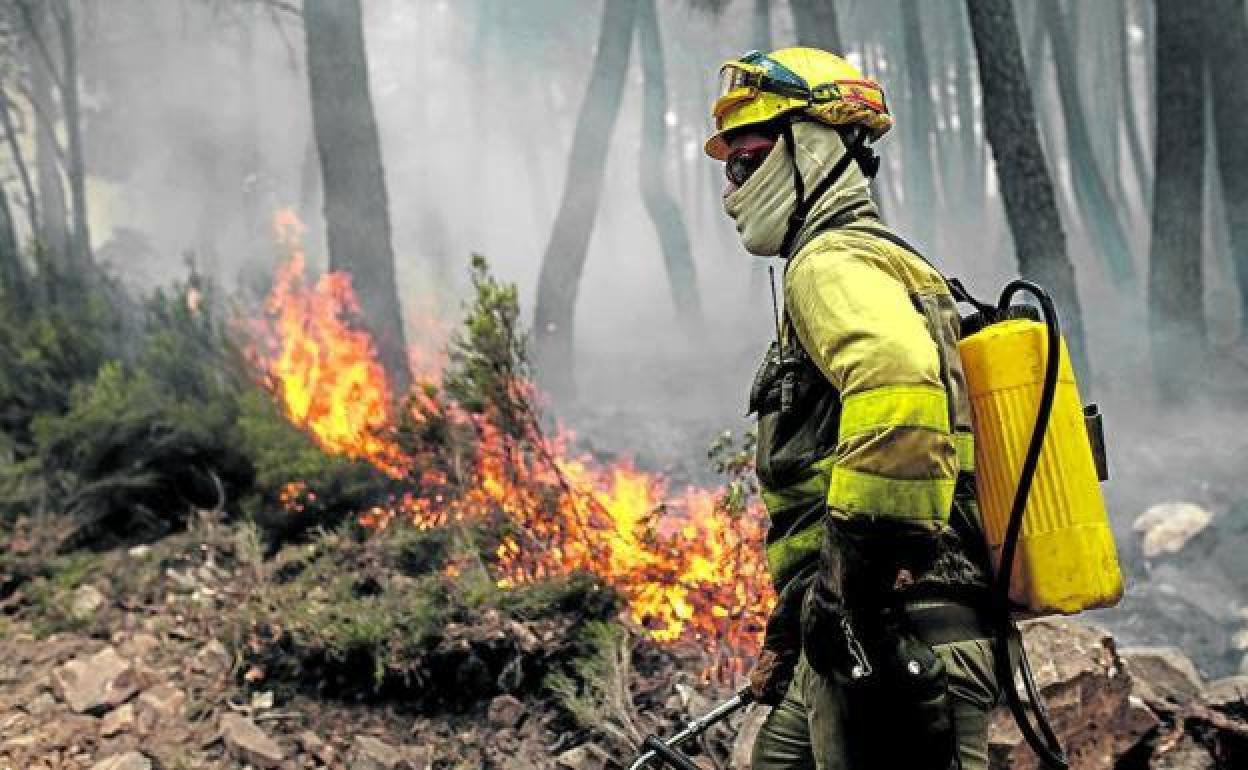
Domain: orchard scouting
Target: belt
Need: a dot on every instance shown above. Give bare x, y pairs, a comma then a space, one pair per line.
939, 621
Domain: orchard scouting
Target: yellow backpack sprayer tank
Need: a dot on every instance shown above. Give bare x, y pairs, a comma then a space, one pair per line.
1065, 561
1031, 432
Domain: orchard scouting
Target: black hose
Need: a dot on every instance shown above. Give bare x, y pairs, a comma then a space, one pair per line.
1045, 743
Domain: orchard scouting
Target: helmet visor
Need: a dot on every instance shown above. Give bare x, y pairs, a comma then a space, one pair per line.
744, 79
737, 83
776, 77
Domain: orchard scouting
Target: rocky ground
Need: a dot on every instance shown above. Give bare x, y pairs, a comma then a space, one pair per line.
138, 668
154, 658
145, 659
151, 697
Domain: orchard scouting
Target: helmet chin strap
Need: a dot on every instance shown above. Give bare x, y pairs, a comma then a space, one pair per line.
856, 150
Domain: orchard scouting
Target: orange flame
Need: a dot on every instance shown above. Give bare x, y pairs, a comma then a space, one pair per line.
324, 371
688, 571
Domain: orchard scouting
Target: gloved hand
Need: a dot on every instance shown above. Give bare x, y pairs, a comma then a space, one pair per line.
782, 645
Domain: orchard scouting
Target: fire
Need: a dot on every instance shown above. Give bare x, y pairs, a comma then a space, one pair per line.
688, 570
325, 372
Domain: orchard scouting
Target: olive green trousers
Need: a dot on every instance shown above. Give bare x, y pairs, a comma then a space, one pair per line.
806, 730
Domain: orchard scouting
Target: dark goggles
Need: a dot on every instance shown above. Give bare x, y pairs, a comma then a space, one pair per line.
741, 164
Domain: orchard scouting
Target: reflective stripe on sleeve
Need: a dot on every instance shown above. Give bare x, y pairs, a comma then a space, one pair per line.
814, 486
894, 406
854, 492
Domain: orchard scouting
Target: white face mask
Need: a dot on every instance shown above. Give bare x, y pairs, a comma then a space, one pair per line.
761, 207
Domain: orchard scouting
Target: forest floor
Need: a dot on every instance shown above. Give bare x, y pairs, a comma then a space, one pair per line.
156, 657
151, 658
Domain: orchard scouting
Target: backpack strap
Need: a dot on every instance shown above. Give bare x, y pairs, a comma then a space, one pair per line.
956, 288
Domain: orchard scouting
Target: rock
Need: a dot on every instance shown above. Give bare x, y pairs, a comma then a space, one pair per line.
139, 551
1162, 673
369, 753
416, 757
42, 704
1229, 695
212, 659
248, 743
1087, 691
1187, 754
526, 641
117, 721
131, 760
580, 758
506, 711
309, 741
86, 601
27, 742
312, 744
96, 683
162, 703
12, 723
69, 730
139, 645
1167, 527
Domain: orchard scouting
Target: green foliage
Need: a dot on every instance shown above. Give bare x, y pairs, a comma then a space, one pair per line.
595, 687
735, 462
382, 605
45, 353
330, 487
489, 357
125, 416
141, 442
51, 593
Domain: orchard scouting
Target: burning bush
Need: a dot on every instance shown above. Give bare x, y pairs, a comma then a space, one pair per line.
301, 433
471, 449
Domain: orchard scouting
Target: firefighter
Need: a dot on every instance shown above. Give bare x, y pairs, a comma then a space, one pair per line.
878, 654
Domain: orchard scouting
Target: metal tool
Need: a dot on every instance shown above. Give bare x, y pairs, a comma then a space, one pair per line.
666, 751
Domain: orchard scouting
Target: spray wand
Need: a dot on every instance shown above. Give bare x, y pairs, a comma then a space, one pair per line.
668, 753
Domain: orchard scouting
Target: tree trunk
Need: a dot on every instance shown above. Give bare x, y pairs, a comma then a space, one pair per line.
817, 24
80, 243
53, 241
1130, 108
1026, 187
19, 161
357, 216
1227, 36
1097, 209
1175, 280
921, 200
662, 207
12, 275
1104, 37
564, 260
971, 190
1047, 114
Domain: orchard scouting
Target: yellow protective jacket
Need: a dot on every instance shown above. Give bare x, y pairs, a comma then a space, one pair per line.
862, 404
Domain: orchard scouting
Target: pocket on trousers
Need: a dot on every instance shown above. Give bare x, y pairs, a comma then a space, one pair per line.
972, 677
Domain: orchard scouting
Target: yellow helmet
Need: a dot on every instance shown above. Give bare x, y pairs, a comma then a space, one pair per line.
758, 88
